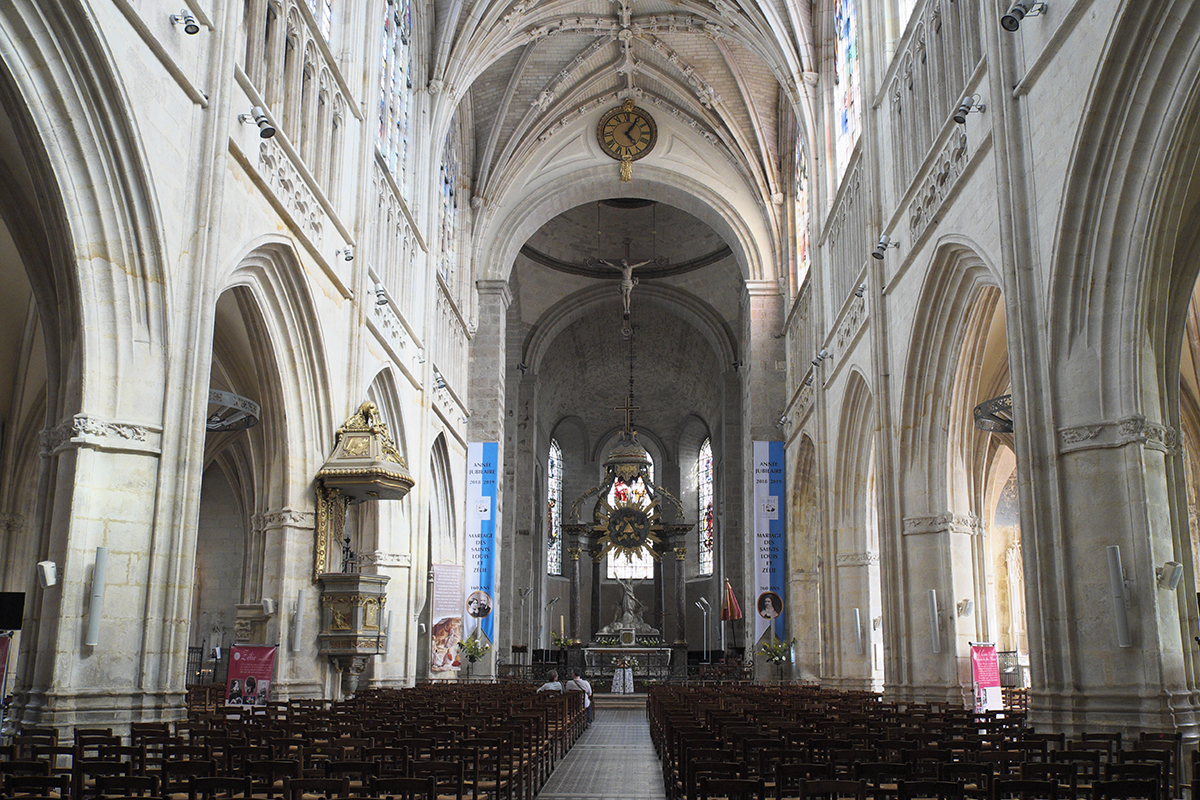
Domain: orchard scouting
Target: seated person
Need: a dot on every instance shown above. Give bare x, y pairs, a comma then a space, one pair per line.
552, 683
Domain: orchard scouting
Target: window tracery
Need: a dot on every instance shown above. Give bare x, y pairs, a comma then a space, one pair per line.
847, 90
395, 89
554, 510
704, 475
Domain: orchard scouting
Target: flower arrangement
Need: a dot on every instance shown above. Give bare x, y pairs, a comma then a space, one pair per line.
562, 642
608, 641
777, 651
474, 648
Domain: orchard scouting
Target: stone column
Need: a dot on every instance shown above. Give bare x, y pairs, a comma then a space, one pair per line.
680, 595
597, 560
573, 553
660, 597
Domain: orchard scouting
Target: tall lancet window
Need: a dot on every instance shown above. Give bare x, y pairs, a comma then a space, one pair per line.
801, 263
641, 565
704, 491
322, 11
395, 89
554, 510
847, 90
448, 257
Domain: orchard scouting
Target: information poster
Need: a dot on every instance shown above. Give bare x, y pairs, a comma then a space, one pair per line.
480, 590
251, 670
985, 673
768, 537
446, 617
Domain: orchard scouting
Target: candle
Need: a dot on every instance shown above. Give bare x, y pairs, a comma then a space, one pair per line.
562, 626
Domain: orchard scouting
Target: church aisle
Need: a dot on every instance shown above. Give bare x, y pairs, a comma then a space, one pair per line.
613, 760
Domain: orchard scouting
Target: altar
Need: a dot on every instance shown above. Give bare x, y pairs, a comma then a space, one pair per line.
647, 662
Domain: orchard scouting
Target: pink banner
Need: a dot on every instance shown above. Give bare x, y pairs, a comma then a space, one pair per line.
446, 619
251, 669
985, 670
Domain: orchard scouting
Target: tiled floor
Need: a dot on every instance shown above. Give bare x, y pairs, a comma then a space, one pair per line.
613, 760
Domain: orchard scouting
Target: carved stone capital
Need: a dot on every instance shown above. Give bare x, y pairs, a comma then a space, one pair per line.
12, 522
1134, 429
945, 522
680, 553
857, 559
379, 558
285, 518
89, 431
573, 553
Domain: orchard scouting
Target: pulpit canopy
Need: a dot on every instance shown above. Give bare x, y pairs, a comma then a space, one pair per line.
365, 463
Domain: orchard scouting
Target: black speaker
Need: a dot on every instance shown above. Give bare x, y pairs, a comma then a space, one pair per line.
12, 610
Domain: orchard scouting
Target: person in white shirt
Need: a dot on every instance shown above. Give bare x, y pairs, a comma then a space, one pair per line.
552, 683
579, 684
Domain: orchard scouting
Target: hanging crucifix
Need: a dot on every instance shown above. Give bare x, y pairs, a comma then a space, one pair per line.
628, 281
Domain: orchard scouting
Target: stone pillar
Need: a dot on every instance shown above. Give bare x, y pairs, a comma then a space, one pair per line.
680, 596
573, 554
597, 562
660, 596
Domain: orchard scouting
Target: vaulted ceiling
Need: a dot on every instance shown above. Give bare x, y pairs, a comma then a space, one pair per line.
525, 69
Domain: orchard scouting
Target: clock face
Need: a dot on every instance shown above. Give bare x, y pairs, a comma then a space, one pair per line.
627, 133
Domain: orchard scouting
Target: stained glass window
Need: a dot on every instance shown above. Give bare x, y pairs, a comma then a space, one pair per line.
704, 487
395, 89
322, 11
449, 212
847, 92
801, 263
554, 510
641, 565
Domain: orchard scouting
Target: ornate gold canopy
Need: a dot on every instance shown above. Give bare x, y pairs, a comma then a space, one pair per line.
365, 465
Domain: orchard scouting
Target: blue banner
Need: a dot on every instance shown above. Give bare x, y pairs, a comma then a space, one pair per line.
769, 522
480, 585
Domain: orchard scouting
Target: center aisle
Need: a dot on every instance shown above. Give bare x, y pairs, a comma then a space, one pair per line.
613, 760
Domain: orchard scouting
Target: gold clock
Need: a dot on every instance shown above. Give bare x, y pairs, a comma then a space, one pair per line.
627, 133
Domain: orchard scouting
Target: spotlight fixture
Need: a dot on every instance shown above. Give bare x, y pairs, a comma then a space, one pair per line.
970, 103
258, 117
381, 298
885, 242
419, 356
463, 420
439, 383
808, 380
783, 418
187, 20
1018, 11
1168, 575
346, 252
821, 356
861, 290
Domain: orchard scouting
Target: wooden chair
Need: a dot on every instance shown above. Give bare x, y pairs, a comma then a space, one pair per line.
87, 770
24, 767
406, 788
1064, 775
449, 777
1125, 790
732, 788
210, 787
127, 785
830, 789
306, 788
268, 777
177, 776
976, 778
1023, 789
937, 790
53, 785
882, 777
